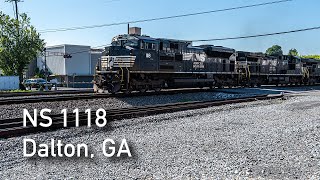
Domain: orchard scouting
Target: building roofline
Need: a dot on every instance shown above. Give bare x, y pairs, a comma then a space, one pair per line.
63, 45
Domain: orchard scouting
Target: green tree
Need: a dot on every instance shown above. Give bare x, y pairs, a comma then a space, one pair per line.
275, 50
19, 44
293, 52
311, 57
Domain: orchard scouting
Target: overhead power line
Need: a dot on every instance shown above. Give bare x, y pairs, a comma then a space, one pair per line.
227, 38
97, 47
54, 53
258, 35
161, 18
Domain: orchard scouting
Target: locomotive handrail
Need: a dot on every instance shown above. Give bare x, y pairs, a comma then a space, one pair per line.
249, 73
121, 71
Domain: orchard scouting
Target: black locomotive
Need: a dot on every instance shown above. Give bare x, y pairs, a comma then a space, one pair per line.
139, 63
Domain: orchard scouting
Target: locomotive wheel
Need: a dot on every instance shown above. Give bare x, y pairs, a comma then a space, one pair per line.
114, 88
212, 85
143, 90
111, 91
128, 91
157, 89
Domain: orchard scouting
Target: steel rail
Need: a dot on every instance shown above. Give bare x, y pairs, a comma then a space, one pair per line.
14, 127
19, 94
8, 101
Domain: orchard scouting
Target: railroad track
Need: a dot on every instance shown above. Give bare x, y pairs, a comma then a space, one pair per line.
82, 95
19, 94
14, 127
8, 101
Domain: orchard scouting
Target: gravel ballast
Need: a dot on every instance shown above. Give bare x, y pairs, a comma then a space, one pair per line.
276, 139
15, 110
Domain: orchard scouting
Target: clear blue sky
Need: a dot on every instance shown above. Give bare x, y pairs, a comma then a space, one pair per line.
50, 14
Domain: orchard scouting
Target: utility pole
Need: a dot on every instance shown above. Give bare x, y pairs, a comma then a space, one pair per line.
45, 68
128, 28
16, 7
45, 64
17, 14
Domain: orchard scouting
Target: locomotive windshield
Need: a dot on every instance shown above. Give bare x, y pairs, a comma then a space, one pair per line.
125, 41
131, 43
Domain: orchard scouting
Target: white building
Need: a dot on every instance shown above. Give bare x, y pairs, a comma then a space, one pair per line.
76, 71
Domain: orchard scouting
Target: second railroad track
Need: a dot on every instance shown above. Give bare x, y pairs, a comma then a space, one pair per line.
14, 127
39, 99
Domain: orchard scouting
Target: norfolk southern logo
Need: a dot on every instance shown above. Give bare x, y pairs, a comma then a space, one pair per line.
148, 55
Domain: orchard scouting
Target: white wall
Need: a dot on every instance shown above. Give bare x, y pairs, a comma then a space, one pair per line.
80, 62
9, 82
55, 63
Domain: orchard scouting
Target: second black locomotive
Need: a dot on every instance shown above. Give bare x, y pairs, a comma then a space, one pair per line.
135, 62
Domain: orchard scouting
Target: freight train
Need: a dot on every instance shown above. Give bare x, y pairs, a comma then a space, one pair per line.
136, 62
